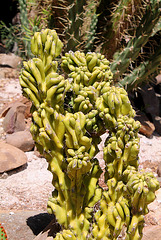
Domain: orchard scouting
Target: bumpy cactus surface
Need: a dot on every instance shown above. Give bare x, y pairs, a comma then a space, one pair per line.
70, 112
3, 235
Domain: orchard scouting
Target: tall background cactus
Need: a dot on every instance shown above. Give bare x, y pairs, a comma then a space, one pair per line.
121, 30
24, 25
69, 116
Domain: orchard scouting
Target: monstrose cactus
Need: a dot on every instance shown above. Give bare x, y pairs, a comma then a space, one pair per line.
70, 112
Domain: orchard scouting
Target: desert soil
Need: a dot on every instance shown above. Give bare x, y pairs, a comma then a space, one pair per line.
24, 191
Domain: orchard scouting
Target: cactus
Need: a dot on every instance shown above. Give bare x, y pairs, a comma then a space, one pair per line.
142, 72
91, 29
24, 25
75, 17
131, 34
3, 235
143, 32
69, 115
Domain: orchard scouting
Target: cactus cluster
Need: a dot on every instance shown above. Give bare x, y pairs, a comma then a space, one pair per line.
3, 235
70, 112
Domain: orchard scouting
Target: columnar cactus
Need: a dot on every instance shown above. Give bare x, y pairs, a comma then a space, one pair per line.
75, 17
69, 116
142, 35
24, 24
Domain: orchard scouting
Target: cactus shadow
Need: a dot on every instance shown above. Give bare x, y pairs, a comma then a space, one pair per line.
43, 223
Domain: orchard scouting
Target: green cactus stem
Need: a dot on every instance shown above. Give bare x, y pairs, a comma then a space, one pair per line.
142, 72
75, 16
69, 115
24, 25
143, 32
90, 35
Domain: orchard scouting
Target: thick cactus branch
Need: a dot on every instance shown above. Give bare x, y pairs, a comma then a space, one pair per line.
143, 32
75, 16
142, 72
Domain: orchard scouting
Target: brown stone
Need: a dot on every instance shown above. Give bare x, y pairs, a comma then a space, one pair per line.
8, 72
10, 60
22, 140
157, 124
147, 128
22, 100
14, 120
11, 157
159, 169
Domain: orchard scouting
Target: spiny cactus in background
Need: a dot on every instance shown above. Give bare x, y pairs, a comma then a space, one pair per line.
143, 32
75, 17
114, 18
134, 36
69, 115
90, 30
24, 25
142, 72
3, 235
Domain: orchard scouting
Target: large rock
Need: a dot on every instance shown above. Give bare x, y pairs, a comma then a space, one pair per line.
14, 120
22, 100
11, 157
8, 72
22, 140
10, 60
147, 128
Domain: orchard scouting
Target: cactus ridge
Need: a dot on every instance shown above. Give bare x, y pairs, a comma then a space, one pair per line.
69, 115
24, 24
143, 32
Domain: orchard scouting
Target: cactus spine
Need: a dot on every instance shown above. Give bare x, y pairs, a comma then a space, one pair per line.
69, 116
73, 31
143, 32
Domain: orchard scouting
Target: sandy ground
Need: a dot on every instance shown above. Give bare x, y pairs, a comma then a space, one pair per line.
29, 186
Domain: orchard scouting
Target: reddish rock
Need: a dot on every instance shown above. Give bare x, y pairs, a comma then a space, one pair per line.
22, 100
147, 128
157, 124
14, 120
11, 157
22, 140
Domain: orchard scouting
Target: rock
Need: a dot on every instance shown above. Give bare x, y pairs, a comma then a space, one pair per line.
7, 72
22, 140
159, 169
157, 124
147, 127
152, 233
23, 100
10, 60
14, 120
11, 157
